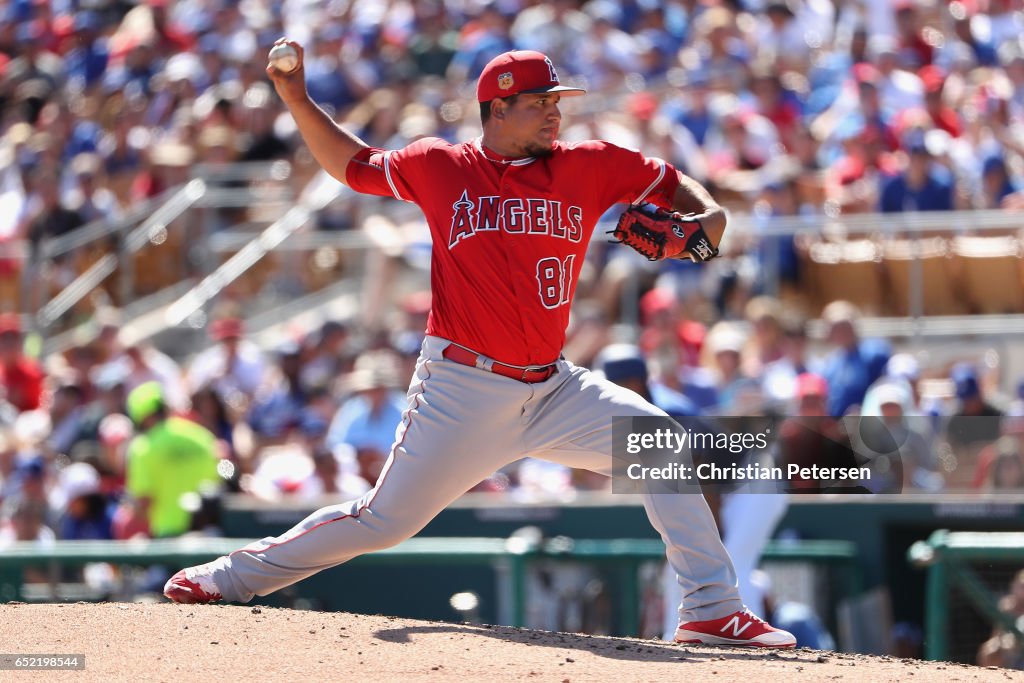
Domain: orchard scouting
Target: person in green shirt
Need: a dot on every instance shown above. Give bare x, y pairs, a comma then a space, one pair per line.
169, 458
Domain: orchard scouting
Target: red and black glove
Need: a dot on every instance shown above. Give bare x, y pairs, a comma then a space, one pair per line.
664, 234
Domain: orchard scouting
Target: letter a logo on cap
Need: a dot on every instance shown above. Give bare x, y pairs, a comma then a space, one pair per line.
551, 70
520, 71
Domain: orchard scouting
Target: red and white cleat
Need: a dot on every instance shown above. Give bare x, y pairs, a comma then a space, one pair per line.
739, 629
191, 586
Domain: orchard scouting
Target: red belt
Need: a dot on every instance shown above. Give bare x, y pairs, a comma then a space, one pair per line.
530, 375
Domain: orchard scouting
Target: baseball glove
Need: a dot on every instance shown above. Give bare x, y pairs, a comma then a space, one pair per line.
662, 234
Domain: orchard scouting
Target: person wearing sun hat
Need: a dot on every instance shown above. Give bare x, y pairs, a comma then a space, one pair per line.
912, 461
366, 421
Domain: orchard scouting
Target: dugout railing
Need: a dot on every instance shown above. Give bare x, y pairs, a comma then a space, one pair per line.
966, 572
511, 558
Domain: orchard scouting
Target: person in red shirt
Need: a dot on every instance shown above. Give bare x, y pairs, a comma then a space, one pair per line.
915, 45
22, 376
510, 215
812, 437
943, 116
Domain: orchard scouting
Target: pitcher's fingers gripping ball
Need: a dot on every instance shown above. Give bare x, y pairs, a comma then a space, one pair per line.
285, 69
284, 57
663, 234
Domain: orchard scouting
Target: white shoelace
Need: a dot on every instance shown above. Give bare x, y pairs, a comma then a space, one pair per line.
754, 616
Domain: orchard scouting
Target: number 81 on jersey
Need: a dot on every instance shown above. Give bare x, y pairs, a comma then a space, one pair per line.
555, 280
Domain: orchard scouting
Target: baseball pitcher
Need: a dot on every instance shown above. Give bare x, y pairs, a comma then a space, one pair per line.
510, 215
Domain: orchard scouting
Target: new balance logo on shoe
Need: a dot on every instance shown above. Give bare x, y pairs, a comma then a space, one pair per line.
734, 624
734, 629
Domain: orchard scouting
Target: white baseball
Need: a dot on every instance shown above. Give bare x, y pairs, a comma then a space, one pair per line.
284, 57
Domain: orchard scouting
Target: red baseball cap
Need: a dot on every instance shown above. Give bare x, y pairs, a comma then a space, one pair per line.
655, 301
10, 323
227, 328
520, 71
808, 384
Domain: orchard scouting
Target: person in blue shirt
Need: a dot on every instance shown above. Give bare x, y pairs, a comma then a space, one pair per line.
922, 186
88, 59
979, 42
624, 365
367, 420
996, 183
333, 80
692, 110
486, 36
282, 408
88, 515
854, 364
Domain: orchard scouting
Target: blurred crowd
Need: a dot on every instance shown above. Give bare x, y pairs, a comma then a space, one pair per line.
110, 439
783, 108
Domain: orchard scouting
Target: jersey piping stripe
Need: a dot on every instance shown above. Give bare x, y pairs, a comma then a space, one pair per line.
650, 188
518, 162
376, 489
387, 174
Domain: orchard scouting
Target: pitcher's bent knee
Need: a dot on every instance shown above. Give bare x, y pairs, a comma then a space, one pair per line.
389, 534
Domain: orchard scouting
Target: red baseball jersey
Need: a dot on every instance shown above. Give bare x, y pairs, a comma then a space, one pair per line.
509, 235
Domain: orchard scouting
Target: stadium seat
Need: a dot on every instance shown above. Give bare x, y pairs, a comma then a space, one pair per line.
161, 265
849, 270
990, 270
939, 293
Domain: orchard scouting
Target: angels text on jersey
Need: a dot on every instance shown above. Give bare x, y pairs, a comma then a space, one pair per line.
514, 215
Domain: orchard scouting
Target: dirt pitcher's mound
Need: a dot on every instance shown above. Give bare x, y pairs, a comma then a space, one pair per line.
163, 642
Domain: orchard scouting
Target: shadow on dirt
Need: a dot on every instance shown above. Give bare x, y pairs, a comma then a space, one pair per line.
604, 646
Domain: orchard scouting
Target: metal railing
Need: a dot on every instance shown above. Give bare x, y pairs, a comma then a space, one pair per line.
891, 229
98, 229
881, 224
147, 223
740, 226
947, 557
153, 230
254, 250
231, 242
220, 187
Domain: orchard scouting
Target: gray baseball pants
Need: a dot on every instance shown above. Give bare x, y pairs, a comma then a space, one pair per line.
461, 425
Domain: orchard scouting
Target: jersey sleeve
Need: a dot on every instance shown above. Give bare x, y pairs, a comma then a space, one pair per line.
629, 176
391, 173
